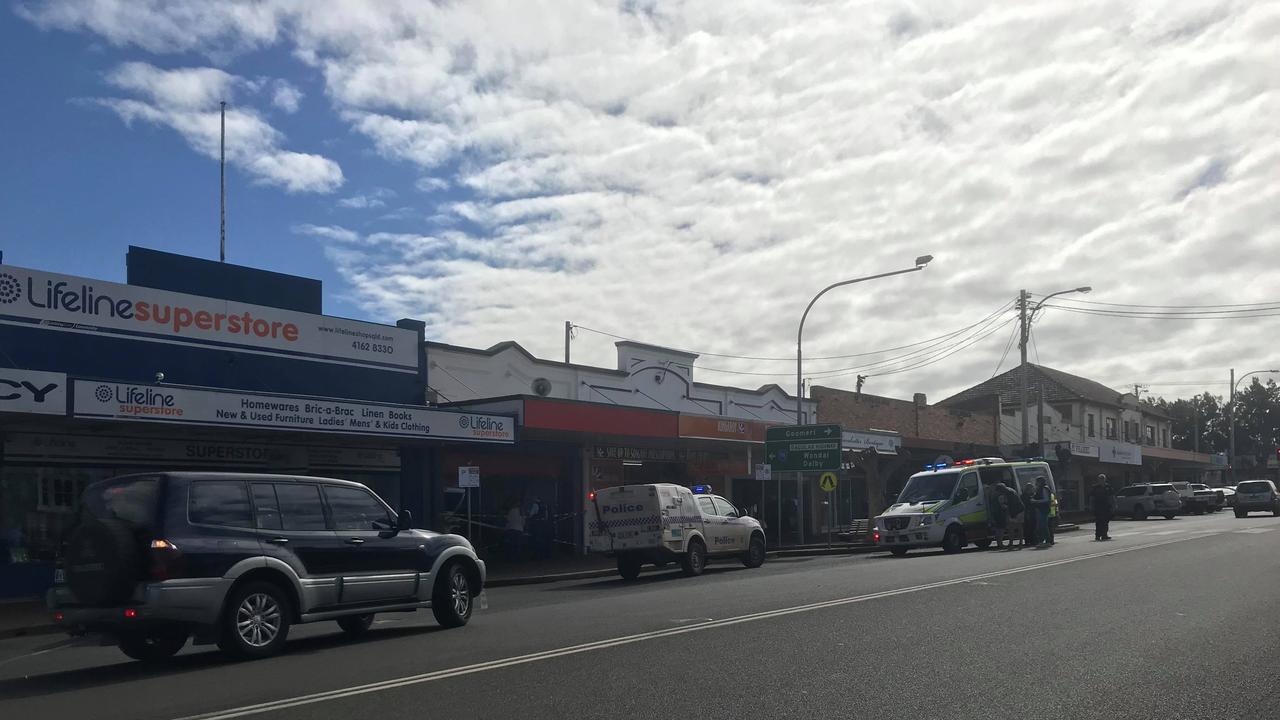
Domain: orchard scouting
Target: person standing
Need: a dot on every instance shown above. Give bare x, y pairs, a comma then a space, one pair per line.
514, 531
1028, 515
998, 513
1042, 502
1103, 505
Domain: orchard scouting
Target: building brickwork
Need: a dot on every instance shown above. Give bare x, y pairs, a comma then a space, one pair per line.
910, 418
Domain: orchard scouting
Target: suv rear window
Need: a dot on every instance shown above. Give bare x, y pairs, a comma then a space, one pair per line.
1257, 486
219, 503
1159, 489
134, 500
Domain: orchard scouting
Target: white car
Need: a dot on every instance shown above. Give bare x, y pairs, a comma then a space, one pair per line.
1139, 501
1257, 496
661, 523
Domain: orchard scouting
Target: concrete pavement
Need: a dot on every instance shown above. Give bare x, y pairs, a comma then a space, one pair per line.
1168, 620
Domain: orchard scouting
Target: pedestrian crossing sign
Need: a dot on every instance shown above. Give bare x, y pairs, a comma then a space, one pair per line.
827, 481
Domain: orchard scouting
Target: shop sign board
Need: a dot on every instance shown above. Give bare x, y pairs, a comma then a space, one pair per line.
721, 428
799, 448
196, 406
65, 303
469, 477
1084, 450
178, 452
32, 391
1123, 453
885, 442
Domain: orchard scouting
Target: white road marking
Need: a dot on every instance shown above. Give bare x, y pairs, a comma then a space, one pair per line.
640, 637
1253, 531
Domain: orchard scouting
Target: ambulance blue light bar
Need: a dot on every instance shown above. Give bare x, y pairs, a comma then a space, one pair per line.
701, 489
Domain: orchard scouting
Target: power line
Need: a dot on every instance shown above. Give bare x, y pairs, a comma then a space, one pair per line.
791, 358
1005, 354
949, 353
1162, 307
1163, 316
943, 342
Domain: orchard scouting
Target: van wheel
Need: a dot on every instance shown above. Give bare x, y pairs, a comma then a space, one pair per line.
983, 543
451, 600
255, 622
953, 541
153, 645
695, 558
898, 551
629, 567
356, 625
755, 552
1139, 513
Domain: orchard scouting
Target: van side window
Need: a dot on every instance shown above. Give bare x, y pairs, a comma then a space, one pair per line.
968, 486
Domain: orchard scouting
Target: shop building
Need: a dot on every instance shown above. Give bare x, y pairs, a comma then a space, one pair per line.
899, 437
646, 420
99, 379
1084, 428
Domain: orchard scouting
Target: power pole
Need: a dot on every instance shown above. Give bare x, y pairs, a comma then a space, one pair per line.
222, 182
1022, 368
1231, 417
568, 335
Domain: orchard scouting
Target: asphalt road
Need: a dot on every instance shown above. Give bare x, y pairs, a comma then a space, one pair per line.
1173, 619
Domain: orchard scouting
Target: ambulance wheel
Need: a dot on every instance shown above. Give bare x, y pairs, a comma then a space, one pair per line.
629, 567
695, 558
898, 551
953, 541
755, 552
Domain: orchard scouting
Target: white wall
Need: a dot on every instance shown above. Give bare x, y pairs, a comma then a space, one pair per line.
651, 377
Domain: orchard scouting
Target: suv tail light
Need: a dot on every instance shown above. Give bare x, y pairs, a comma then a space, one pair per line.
165, 559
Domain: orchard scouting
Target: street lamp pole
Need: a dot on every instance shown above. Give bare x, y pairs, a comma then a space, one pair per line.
1026, 318
1231, 415
921, 262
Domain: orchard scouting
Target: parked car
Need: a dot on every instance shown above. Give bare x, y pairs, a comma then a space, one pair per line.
1228, 495
1213, 498
1139, 501
1257, 496
662, 523
237, 559
1193, 501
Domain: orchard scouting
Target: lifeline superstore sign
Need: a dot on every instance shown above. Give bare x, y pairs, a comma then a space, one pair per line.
196, 406
80, 305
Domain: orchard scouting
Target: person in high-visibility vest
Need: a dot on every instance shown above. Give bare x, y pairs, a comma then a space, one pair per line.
1053, 515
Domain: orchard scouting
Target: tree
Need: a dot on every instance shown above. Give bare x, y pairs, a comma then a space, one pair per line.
1202, 415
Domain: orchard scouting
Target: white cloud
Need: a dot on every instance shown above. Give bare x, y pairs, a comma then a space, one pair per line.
328, 232
689, 174
431, 184
375, 198
286, 96
186, 100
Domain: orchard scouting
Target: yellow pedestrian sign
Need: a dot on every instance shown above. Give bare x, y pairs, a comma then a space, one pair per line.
827, 481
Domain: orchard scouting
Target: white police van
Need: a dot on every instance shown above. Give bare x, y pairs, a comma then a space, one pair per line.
661, 523
946, 504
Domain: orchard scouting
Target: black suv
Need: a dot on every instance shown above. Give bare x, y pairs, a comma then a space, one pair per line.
236, 559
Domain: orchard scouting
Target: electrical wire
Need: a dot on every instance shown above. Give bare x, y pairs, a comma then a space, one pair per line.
1162, 316
1161, 307
792, 358
1005, 354
949, 353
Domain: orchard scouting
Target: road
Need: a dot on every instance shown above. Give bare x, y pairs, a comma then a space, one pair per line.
1173, 619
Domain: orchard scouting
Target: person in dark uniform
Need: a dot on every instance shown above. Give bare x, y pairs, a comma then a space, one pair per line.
1028, 515
1103, 504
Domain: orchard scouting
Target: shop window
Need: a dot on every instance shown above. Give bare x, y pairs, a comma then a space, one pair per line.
219, 503
57, 494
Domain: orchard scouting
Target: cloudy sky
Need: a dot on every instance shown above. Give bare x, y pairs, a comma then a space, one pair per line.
686, 174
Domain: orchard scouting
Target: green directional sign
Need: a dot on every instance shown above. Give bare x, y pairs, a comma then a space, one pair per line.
801, 448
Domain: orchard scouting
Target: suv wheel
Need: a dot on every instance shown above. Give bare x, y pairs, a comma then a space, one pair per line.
898, 551
695, 558
451, 601
1139, 512
1170, 516
153, 645
255, 622
356, 625
953, 541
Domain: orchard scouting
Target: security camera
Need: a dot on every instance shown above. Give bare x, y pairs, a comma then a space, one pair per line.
159, 377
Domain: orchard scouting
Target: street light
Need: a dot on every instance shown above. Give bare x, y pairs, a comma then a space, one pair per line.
1026, 319
1231, 413
921, 262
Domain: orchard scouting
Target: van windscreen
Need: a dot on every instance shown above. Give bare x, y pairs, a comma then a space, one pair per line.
929, 486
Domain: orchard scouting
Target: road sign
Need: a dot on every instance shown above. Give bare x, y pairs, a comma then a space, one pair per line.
828, 481
764, 472
469, 477
798, 448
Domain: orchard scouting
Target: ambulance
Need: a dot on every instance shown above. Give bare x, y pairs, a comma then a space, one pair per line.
945, 505
663, 523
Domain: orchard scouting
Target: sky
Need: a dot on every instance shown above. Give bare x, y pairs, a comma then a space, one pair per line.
686, 174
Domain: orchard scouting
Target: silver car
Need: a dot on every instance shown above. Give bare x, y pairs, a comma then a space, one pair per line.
1257, 496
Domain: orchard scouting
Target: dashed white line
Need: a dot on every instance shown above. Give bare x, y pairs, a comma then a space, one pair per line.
640, 637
